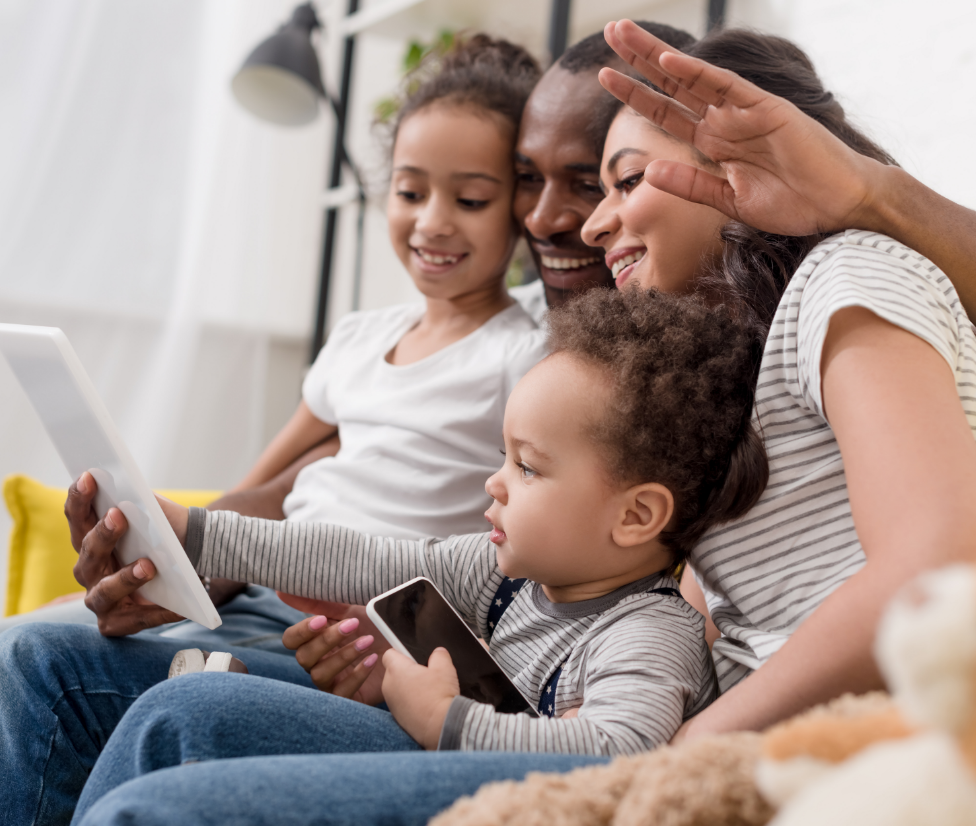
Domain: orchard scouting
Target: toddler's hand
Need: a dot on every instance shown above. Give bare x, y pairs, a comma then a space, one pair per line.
329, 653
177, 515
420, 696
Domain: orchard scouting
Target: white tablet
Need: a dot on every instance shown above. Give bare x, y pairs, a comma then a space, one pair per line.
86, 438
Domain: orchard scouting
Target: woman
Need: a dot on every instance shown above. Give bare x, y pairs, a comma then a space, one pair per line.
886, 398
862, 400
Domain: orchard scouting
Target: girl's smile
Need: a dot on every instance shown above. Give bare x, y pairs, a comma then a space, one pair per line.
435, 262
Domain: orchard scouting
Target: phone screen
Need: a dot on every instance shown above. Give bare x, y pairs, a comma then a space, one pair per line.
423, 620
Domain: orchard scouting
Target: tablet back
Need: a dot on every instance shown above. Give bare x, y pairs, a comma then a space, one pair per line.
86, 438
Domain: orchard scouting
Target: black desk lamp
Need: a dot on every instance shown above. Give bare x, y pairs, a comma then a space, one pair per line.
281, 82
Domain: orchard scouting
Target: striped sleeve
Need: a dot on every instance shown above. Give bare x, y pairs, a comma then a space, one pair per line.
644, 674
322, 561
885, 278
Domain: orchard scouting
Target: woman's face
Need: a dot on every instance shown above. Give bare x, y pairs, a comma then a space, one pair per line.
651, 238
450, 204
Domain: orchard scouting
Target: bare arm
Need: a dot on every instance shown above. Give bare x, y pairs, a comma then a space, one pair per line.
303, 432
910, 460
695, 597
785, 173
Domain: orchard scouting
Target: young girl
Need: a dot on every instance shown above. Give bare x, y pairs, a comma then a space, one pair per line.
416, 392
622, 448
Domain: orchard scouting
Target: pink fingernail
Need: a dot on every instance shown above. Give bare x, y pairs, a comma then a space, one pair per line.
349, 625
109, 522
317, 622
140, 571
83, 483
370, 661
363, 643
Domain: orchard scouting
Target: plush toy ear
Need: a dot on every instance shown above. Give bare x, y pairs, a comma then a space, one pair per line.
645, 511
926, 648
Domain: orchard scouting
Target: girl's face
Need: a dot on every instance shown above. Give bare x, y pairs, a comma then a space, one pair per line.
450, 205
651, 238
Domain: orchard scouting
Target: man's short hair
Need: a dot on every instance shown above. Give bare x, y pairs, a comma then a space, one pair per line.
593, 52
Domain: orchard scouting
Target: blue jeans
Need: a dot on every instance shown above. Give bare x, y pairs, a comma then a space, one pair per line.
233, 748
64, 688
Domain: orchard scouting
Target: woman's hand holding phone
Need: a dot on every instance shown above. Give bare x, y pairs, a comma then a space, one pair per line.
338, 661
420, 696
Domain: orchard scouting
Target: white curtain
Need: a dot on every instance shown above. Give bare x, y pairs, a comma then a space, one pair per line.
173, 238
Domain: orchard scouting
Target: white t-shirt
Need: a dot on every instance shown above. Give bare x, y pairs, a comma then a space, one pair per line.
418, 440
532, 297
764, 574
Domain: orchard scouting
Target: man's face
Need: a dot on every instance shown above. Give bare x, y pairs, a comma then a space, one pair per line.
558, 182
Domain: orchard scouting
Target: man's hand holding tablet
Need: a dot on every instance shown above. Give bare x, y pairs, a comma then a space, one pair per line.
111, 588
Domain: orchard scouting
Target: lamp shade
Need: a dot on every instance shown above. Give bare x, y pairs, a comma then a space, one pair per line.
281, 80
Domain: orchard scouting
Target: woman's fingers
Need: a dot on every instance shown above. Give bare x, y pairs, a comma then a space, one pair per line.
644, 52
692, 184
710, 84
687, 79
326, 670
662, 111
350, 683
78, 508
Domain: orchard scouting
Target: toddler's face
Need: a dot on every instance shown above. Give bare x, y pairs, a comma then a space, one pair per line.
450, 204
555, 505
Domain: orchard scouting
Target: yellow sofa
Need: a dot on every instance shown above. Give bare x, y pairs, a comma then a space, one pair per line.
40, 556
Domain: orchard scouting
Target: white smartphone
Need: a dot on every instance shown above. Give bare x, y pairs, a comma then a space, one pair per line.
415, 619
86, 438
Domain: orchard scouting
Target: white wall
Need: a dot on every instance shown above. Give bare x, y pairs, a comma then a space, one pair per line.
903, 70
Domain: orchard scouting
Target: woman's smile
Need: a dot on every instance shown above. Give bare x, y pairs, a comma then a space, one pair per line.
622, 262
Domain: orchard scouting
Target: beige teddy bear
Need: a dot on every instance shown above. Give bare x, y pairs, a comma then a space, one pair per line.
706, 782
857, 761
926, 649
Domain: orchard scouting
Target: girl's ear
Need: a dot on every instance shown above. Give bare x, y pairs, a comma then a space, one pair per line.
645, 511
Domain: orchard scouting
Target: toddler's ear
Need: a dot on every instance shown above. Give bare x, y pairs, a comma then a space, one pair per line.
645, 511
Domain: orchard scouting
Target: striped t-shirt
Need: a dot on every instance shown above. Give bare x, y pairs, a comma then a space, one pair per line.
765, 573
633, 662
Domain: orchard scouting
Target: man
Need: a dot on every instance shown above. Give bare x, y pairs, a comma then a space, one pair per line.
557, 167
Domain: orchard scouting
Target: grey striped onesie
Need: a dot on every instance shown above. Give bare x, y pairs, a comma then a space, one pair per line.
634, 663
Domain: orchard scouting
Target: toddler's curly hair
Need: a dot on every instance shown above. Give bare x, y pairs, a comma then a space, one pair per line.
683, 376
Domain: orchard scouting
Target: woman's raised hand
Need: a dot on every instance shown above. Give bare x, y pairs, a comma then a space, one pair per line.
782, 172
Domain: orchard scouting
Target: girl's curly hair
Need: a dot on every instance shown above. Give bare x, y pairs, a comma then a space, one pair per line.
683, 374
479, 71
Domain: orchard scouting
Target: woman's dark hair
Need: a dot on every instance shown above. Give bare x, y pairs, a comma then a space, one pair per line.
479, 71
756, 266
682, 372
